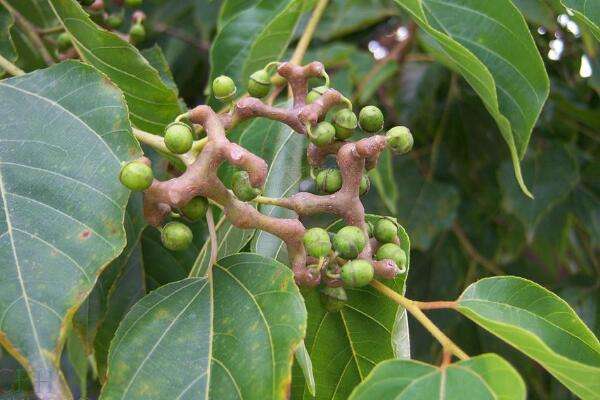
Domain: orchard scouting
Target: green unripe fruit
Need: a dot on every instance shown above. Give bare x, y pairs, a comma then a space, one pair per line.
176, 236
195, 208
386, 231
278, 80
136, 176
137, 33
391, 251
134, 3
64, 41
259, 84
178, 138
315, 93
345, 123
329, 180
357, 273
114, 21
224, 88
349, 242
365, 185
243, 190
370, 119
334, 298
370, 229
400, 139
323, 134
316, 242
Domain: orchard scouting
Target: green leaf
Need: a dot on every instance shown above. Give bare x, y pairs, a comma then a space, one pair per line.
538, 12
553, 172
586, 11
7, 47
489, 44
425, 207
252, 38
55, 243
541, 325
152, 103
344, 346
228, 349
487, 376
78, 358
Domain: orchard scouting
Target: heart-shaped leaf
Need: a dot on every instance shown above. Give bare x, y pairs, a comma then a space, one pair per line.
489, 44
586, 11
230, 336
152, 103
54, 243
252, 38
541, 325
484, 377
345, 345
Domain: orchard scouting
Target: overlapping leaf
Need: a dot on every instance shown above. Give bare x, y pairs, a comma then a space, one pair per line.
587, 11
489, 44
66, 127
484, 377
228, 337
541, 325
152, 103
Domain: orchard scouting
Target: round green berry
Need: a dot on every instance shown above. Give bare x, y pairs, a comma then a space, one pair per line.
224, 88
114, 21
400, 139
391, 251
137, 33
370, 228
136, 176
315, 93
64, 41
334, 298
259, 84
176, 236
195, 208
365, 185
370, 119
349, 242
329, 180
345, 122
357, 273
323, 134
386, 231
178, 137
242, 188
134, 3
278, 80
316, 242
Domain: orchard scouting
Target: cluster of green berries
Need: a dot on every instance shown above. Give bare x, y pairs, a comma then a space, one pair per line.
259, 85
347, 244
112, 20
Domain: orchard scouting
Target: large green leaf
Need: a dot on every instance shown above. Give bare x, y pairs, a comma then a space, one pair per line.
485, 377
253, 37
62, 206
344, 346
587, 11
489, 44
541, 325
228, 337
553, 172
152, 103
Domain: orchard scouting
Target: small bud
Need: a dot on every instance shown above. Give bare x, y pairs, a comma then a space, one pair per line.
329, 180
195, 208
224, 88
391, 251
243, 190
345, 122
259, 84
136, 176
315, 93
64, 41
316, 242
323, 134
370, 119
400, 139
114, 21
176, 236
365, 184
349, 242
386, 231
137, 33
178, 137
357, 273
